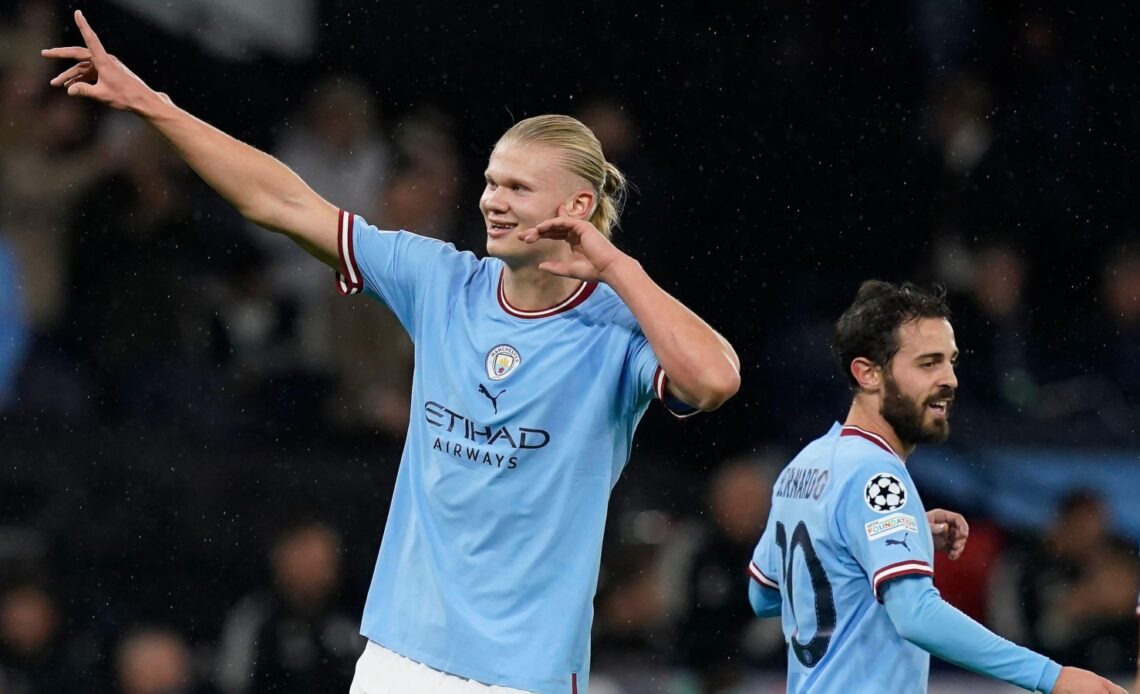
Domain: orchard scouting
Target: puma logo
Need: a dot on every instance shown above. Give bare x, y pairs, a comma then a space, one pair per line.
899, 542
493, 398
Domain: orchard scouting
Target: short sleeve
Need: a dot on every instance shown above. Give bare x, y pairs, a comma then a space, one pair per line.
392, 266
649, 379
765, 565
884, 524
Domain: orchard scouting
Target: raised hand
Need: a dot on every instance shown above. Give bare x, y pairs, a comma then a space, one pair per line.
591, 254
1076, 681
949, 531
99, 75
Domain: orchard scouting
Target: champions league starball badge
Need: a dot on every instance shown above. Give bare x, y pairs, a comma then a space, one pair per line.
885, 493
502, 360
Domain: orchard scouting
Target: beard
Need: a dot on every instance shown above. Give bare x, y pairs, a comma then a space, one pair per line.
908, 418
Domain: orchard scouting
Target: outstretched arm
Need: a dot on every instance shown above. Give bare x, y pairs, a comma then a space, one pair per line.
921, 616
702, 367
262, 189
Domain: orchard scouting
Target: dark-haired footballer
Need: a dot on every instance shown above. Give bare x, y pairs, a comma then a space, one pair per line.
846, 558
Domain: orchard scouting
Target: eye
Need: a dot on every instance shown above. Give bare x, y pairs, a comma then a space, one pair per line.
518, 187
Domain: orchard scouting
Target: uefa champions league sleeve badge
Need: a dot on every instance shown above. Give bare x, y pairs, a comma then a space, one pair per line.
885, 493
502, 360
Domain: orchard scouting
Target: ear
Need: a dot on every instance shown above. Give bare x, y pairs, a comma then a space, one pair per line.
581, 204
868, 374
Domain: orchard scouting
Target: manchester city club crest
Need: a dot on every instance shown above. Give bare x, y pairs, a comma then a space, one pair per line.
502, 360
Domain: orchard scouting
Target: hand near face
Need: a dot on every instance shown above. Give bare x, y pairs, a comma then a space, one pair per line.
591, 256
949, 531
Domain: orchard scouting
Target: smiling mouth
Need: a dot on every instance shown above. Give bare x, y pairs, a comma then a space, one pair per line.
941, 408
500, 228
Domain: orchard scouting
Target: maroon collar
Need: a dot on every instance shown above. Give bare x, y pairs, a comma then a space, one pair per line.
852, 430
579, 295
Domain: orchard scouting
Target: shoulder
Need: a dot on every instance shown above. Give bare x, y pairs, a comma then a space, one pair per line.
860, 452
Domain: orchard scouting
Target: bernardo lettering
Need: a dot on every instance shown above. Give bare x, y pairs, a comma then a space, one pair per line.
802, 483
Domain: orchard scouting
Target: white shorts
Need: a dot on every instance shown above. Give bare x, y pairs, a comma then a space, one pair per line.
381, 671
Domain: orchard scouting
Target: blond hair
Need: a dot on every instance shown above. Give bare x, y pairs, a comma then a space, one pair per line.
582, 154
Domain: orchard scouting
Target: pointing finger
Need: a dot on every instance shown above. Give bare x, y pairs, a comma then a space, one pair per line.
89, 37
68, 52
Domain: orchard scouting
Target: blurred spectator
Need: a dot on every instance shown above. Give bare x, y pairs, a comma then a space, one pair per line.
338, 150
798, 362
648, 216
32, 27
1102, 379
45, 162
958, 125
337, 147
966, 583
1071, 595
151, 660
631, 624
254, 333
995, 329
293, 637
13, 327
423, 193
1118, 353
33, 652
135, 310
945, 30
719, 636
421, 196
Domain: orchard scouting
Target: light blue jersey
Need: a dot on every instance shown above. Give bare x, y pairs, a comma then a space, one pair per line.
521, 424
845, 519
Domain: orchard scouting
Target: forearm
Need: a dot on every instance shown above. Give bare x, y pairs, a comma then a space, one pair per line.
922, 617
261, 188
701, 365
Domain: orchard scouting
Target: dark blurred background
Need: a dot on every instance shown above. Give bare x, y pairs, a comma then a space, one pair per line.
198, 440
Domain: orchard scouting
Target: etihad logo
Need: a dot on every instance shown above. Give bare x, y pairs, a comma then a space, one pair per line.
502, 360
454, 423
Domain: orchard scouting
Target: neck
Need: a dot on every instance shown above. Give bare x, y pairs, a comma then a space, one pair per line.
530, 289
866, 415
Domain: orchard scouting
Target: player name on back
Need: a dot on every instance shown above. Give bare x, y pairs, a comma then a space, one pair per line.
802, 483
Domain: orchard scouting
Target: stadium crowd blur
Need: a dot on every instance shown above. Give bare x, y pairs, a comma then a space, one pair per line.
198, 439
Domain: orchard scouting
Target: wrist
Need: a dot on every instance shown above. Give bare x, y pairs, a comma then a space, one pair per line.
1049, 675
152, 105
620, 267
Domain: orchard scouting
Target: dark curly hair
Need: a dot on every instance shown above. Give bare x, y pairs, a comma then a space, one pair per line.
869, 326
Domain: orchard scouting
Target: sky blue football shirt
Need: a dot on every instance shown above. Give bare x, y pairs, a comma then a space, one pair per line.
521, 423
845, 519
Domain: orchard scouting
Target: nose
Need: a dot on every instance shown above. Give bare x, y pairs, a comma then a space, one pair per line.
494, 200
950, 378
